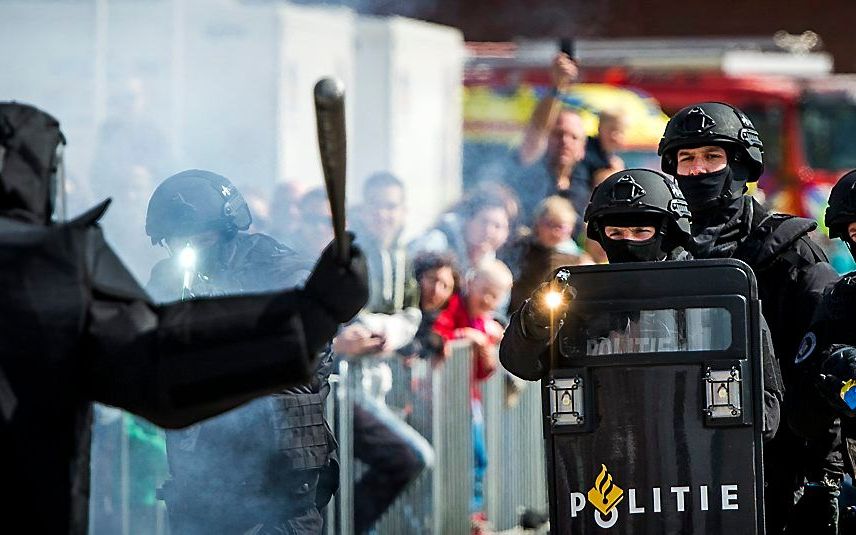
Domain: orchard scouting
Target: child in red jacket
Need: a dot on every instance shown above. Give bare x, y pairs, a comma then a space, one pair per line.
470, 316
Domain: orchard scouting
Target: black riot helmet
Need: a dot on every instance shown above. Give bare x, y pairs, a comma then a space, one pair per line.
31, 167
714, 123
195, 201
639, 197
842, 209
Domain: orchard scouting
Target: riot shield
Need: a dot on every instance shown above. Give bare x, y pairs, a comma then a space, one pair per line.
653, 408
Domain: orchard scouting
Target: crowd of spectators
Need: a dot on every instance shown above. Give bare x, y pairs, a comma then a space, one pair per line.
459, 280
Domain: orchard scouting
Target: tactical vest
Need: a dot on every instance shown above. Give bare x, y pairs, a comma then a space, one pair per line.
770, 250
774, 239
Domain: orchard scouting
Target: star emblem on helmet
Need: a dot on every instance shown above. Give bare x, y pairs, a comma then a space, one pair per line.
627, 190
697, 121
225, 191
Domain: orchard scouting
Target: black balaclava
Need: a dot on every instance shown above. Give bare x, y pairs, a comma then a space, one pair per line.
650, 250
722, 214
710, 192
706, 191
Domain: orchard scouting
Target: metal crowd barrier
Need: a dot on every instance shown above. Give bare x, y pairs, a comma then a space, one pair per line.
339, 412
516, 470
436, 402
453, 442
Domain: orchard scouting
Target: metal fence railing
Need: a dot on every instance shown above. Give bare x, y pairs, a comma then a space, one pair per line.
516, 471
435, 401
432, 399
339, 412
453, 443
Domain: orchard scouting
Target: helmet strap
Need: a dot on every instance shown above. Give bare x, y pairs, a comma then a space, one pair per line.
736, 181
668, 230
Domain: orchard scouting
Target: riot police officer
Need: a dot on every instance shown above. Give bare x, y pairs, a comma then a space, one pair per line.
713, 150
78, 328
201, 219
636, 215
827, 358
639, 215
260, 465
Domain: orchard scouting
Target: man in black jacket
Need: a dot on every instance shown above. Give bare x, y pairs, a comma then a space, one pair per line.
77, 328
713, 151
261, 464
827, 358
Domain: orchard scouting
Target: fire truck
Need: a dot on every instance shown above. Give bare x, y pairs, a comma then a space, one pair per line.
806, 115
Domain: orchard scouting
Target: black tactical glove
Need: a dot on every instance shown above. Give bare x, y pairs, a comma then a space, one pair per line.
341, 289
817, 512
837, 373
543, 318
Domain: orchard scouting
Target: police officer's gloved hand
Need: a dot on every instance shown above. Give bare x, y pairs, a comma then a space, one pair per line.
817, 511
341, 289
545, 310
837, 374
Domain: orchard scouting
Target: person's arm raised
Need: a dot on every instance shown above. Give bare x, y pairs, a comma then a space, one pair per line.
563, 73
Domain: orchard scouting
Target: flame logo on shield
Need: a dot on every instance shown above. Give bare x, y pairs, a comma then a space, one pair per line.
605, 494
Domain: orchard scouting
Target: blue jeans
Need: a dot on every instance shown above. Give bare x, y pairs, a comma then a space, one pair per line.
395, 454
479, 457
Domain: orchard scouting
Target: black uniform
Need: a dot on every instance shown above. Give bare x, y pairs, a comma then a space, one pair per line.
77, 328
827, 352
827, 358
260, 464
791, 270
633, 197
